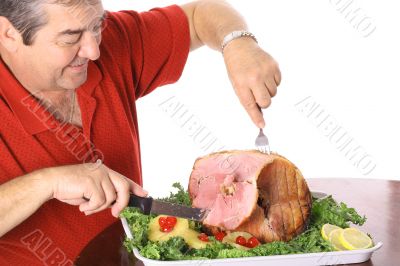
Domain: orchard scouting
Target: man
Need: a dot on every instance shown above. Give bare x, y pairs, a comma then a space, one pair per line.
70, 74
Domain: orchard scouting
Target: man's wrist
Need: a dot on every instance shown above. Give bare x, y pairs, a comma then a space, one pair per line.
238, 46
42, 180
234, 35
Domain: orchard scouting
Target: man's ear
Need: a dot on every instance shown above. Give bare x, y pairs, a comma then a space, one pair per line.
10, 38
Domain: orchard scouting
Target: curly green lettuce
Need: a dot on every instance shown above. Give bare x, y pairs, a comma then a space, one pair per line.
139, 224
327, 210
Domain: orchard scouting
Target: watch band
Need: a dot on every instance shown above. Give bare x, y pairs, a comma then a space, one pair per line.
235, 35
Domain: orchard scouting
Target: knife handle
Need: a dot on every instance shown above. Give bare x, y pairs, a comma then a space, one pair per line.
144, 204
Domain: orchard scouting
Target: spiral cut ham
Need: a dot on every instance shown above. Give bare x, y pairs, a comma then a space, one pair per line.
264, 195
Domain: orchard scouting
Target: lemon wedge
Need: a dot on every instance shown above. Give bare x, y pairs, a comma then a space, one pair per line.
334, 238
352, 238
327, 229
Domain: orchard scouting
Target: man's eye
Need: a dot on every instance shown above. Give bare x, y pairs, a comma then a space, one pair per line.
71, 40
68, 42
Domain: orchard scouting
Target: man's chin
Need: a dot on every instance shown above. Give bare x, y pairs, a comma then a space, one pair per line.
73, 82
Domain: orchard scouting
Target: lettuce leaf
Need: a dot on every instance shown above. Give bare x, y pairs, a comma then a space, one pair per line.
139, 224
327, 210
181, 196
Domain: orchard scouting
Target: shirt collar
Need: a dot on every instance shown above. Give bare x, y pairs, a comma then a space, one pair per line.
26, 109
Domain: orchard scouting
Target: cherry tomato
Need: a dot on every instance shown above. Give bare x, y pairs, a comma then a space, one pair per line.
252, 242
162, 221
203, 237
241, 240
220, 235
166, 229
171, 221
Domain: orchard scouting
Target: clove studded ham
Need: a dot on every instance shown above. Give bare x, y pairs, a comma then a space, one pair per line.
264, 195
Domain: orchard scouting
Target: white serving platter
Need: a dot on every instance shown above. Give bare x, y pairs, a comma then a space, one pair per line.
306, 259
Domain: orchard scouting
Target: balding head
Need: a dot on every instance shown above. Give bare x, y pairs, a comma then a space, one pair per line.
28, 16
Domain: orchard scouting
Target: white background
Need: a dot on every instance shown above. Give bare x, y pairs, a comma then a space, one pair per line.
325, 60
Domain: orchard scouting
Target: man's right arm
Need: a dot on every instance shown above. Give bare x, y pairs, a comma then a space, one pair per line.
20, 198
92, 187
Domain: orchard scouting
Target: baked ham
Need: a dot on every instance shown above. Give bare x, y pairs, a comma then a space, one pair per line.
249, 191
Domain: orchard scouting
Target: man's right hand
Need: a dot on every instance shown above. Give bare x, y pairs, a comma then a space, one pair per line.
94, 187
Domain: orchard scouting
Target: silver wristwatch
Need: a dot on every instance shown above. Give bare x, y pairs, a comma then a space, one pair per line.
235, 35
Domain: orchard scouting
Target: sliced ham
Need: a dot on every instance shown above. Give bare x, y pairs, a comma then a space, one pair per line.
264, 195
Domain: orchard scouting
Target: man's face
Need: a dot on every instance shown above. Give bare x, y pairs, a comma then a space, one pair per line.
58, 58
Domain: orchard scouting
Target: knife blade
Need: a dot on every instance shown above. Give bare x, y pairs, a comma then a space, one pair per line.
149, 205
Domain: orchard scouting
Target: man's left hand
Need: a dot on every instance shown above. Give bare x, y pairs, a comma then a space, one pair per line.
254, 74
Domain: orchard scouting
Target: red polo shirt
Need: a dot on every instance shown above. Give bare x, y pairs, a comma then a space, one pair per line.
139, 52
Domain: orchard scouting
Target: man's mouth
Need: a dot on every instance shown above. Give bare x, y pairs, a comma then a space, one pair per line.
78, 67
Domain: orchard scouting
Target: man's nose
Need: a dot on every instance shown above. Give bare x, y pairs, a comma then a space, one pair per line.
90, 46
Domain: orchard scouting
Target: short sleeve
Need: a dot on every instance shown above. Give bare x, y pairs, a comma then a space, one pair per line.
152, 45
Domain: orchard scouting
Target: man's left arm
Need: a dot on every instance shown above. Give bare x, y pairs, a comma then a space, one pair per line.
254, 74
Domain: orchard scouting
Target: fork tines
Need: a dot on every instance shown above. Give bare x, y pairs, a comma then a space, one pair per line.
264, 149
262, 143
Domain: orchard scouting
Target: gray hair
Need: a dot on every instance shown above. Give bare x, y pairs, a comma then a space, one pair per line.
28, 16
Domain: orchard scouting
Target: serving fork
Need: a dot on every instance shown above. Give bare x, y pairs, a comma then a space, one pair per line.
262, 143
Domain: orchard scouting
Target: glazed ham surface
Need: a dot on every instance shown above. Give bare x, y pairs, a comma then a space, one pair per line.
264, 195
